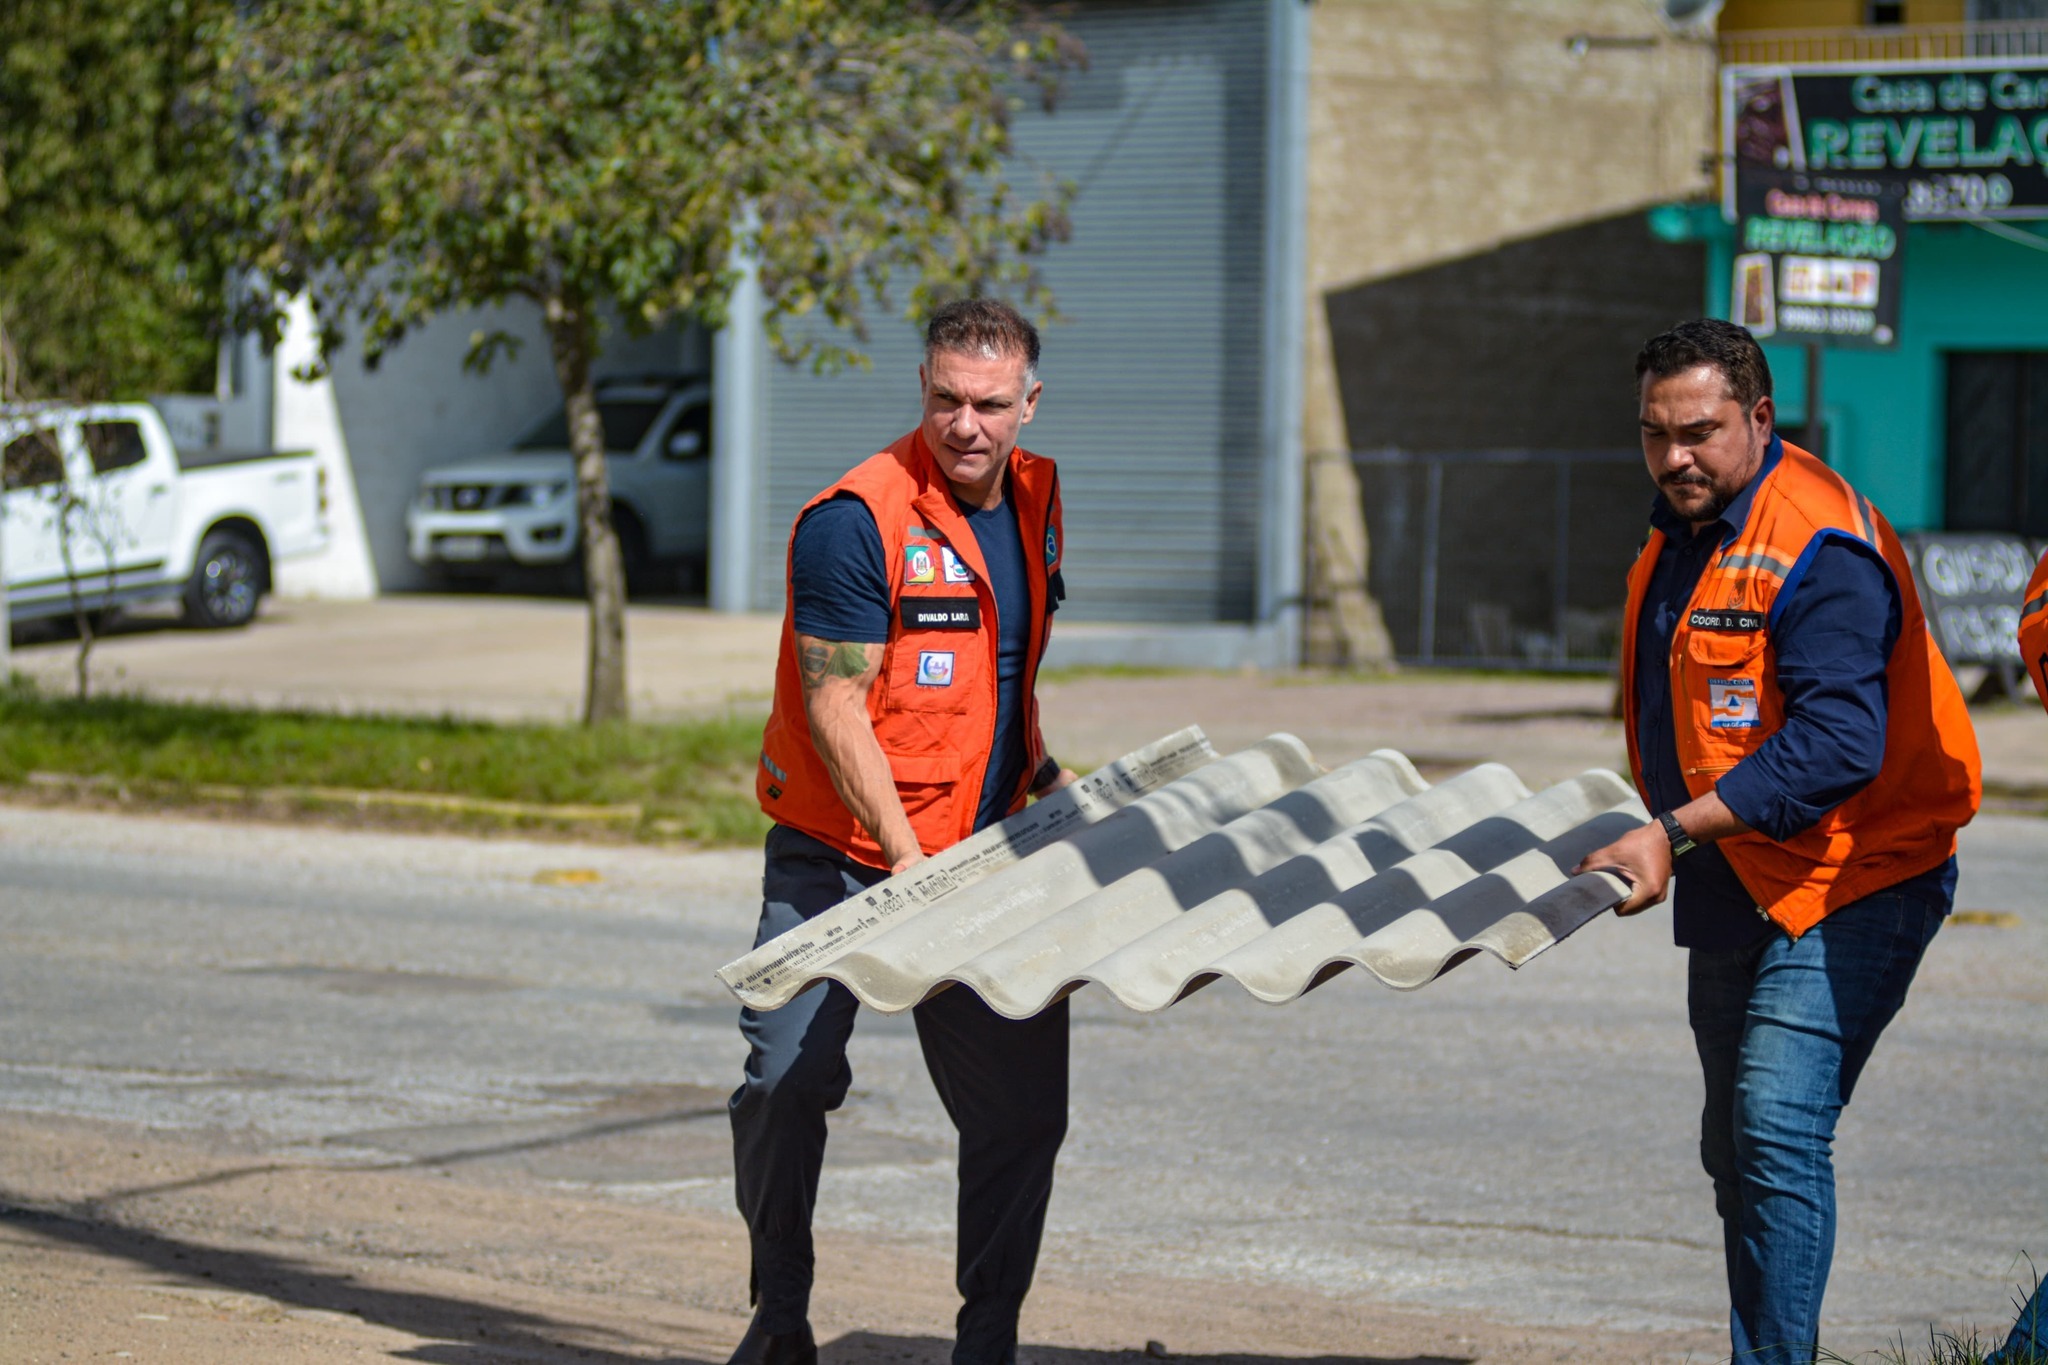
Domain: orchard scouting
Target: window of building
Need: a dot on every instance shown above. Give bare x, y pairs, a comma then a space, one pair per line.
2007, 11
1883, 13
1998, 442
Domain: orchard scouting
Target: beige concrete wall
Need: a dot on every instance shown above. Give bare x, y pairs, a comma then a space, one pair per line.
1442, 128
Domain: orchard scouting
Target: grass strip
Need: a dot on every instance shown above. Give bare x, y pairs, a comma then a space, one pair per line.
686, 779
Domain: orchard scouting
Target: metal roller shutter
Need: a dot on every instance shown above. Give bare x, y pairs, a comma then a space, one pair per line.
1154, 371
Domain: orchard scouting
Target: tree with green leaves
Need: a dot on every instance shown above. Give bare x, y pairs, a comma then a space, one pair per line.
410, 156
103, 170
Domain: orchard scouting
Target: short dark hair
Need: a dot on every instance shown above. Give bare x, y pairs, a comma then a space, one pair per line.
1709, 341
984, 327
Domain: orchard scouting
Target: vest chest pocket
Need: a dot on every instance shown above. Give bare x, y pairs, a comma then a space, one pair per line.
1724, 649
934, 671
1725, 691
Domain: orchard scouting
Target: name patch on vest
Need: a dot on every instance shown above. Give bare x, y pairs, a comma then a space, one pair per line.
1726, 620
1732, 703
940, 613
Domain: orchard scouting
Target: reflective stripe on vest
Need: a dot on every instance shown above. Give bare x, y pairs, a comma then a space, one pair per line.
1726, 702
933, 705
2034, 630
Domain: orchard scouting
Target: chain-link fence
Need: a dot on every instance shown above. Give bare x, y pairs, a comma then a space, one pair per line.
1504, 558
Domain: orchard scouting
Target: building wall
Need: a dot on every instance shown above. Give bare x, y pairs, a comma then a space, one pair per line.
1527, 346
1441, 129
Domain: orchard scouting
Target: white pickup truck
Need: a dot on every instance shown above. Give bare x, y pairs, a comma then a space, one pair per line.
484, 519
97, 505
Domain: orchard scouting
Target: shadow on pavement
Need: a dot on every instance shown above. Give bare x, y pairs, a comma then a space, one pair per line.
873, 1348
465, 1331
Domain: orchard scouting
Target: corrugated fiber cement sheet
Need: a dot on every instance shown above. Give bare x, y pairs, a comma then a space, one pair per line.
1174, 867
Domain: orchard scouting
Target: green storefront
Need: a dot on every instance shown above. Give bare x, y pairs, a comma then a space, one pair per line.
1947, 427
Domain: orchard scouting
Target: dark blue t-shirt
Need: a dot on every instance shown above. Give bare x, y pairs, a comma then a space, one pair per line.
839, 585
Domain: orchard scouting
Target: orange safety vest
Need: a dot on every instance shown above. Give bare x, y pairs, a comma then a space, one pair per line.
2034, 629
1725, 703
933, 705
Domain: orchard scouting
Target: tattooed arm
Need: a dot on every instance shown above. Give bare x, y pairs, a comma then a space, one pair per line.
837, 675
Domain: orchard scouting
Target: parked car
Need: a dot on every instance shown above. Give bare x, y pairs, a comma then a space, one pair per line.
100, 506
484, 518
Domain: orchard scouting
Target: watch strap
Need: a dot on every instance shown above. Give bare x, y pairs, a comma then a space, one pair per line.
1681, 842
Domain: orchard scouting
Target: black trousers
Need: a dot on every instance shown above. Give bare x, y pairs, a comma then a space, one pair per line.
1003, 1083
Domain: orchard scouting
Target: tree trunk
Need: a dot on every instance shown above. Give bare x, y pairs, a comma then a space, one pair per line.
604, 687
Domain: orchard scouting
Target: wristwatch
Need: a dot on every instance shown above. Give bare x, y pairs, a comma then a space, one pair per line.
1681, 842
1047, 774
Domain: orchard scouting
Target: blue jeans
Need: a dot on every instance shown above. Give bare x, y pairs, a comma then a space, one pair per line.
1783, 1027
2028, 1340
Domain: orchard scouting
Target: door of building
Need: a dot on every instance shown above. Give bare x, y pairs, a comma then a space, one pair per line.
1998, 442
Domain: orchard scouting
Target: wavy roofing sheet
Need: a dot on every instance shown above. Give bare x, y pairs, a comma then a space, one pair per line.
1173, 867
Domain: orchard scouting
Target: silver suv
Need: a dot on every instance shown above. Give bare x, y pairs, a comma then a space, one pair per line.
485, 518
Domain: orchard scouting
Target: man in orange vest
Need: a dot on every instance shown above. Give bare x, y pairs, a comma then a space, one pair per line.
1809, 759
2028, 1339
921, 592
2034, 630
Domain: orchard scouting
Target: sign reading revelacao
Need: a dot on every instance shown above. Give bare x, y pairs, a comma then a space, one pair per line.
1818, 256
1970, 138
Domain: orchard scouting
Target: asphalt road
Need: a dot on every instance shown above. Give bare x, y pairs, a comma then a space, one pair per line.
1519, 1145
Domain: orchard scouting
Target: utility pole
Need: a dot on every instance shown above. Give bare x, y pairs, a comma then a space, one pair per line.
1816, 421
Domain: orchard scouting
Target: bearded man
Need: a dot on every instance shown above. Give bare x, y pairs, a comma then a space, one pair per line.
1810, 759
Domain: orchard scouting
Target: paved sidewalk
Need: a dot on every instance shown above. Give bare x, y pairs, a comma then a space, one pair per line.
499, 658
518, 658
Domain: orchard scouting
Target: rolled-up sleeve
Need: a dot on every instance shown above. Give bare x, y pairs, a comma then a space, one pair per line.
1833, 642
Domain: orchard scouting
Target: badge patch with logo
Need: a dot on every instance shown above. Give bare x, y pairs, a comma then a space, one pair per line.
1052, 547
918, 565
955, 571
1732, 703
935, 668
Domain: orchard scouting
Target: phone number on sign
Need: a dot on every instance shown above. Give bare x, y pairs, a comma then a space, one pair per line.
1957, 196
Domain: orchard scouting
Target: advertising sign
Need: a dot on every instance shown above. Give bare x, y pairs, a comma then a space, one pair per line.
1971, 586
1818, 257
1969, 137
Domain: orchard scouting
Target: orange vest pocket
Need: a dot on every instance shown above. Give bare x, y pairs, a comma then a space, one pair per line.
924, 780
934, 671
1725, 689
1719, 649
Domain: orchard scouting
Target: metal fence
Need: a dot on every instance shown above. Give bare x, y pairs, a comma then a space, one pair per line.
1504, 558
